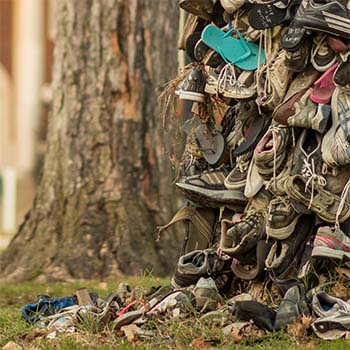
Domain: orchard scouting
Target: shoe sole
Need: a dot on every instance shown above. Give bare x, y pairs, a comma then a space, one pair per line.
329, 253
212, 195
191, 96
209, 89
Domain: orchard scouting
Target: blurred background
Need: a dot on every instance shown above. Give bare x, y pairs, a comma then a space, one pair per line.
26, 58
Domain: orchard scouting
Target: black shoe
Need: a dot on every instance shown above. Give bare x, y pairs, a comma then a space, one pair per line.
331, 17
192, 87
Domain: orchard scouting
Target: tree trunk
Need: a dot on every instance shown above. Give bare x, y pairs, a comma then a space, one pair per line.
106, 182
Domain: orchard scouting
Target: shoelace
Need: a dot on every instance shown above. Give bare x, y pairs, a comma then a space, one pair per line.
343, 198
321, 46
266, 42
309, 171
227, 74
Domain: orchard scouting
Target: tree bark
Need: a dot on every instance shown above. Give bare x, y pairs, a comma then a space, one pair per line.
106, 182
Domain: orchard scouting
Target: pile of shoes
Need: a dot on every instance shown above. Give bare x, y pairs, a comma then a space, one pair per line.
266, 167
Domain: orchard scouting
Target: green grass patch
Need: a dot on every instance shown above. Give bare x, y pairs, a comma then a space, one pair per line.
173, 334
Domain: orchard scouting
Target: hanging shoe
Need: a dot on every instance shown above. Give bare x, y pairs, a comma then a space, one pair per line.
322, 56
270, 153
209, 189
200, 8
272, 82
336, 142
332, 17
331, 243
192, 87
232, 6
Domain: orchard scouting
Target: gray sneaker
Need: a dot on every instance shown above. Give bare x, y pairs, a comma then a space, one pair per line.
281, 219
206, 294
334, 316
194, 265
292, 306
335, 144
331, 243
324, 305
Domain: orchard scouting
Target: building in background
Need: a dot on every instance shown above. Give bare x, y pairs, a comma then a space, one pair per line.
26, 57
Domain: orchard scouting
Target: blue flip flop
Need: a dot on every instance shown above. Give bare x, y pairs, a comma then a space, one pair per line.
243, 54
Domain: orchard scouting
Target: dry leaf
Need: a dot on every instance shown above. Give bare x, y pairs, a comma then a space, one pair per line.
130, 332
299, 327
103, 285
347, 335
199, 343
12, 346
342, 271
236, 335
340, 291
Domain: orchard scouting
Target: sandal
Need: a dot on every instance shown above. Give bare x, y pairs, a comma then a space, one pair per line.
271, 14
245, 55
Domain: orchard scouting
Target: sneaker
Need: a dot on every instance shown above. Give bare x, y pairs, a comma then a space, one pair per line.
293, 305
192, 87
271, 151
297, 60
206, 294
211, 86
200, 8
342, 74
230, 83
272, 82
309, 115
335, 144
296, 90
333, 316
331, 243
242, 235
209, 189
281, 219
323, 203
332, 17
237, 178
232, 6
332, 327
322, 56
324, 305
194, 265
285, 255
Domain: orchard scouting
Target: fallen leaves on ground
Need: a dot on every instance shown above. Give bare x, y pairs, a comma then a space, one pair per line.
298, 329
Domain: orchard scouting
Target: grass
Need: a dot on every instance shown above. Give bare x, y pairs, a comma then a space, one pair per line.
170, 335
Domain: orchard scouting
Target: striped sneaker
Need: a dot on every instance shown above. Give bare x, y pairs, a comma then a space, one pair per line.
209, 189
331, 243
332, 17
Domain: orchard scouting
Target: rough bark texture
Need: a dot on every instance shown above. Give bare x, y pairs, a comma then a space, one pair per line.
106, 183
